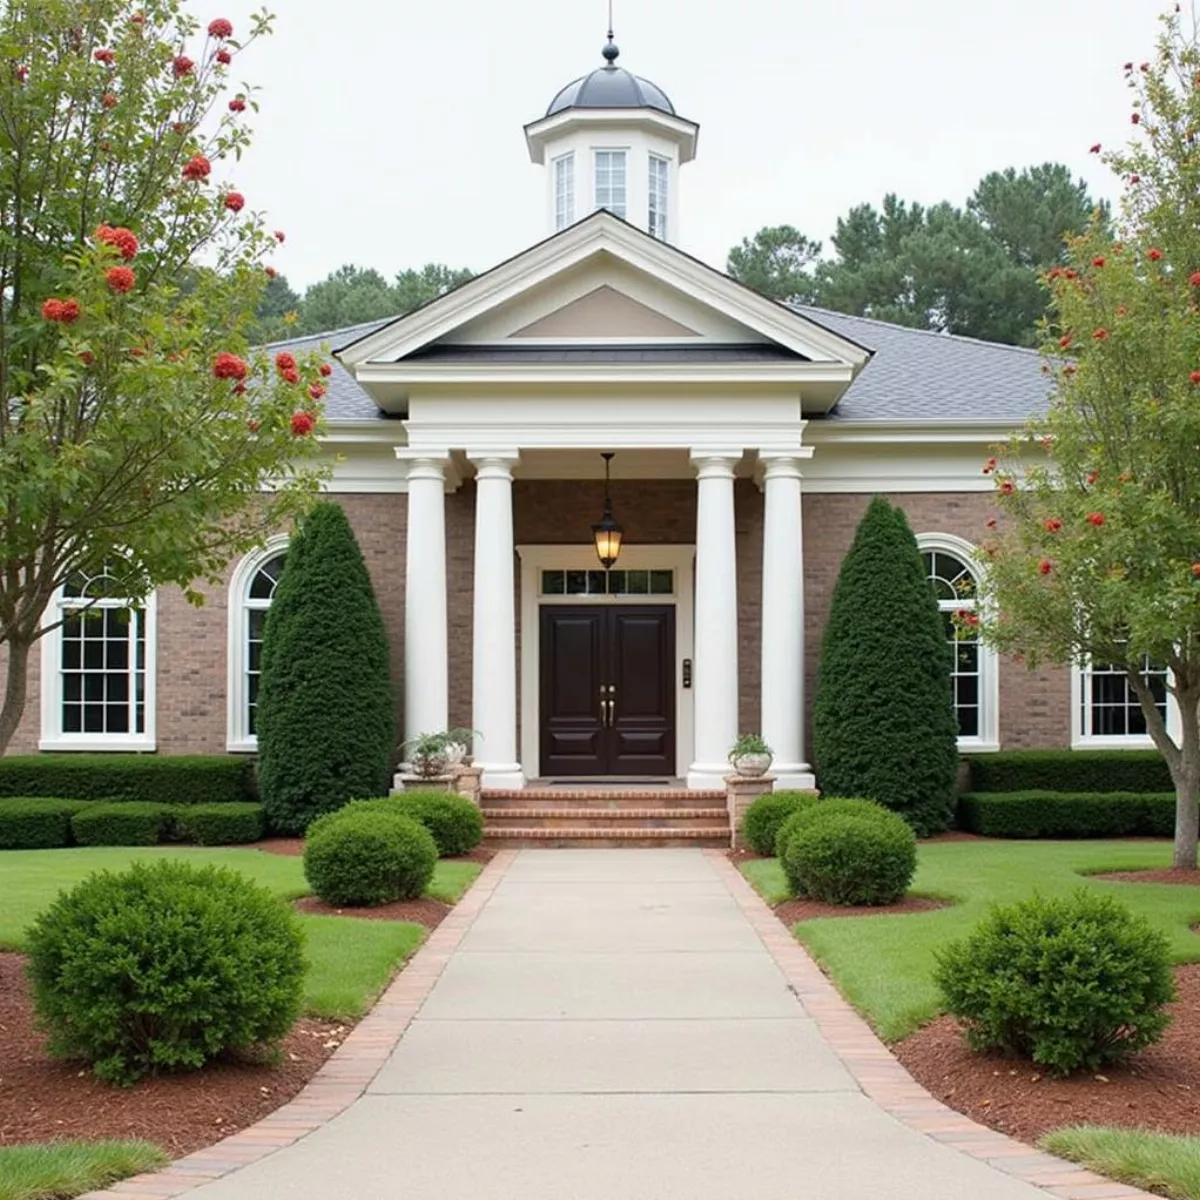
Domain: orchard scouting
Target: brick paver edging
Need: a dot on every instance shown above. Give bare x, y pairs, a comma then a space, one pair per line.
880, 1075
344, 1076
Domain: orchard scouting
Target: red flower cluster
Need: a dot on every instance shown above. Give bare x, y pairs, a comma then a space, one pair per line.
1136, 118
86, 357
65, 312
1095, 149
229, 366
1154, 255
237, 104
1196, 569
1064, 341
220, 29
22, 73
235, 201
253, 425
316, 390
291, 375
1098, 261
279, 236
991, 522
107, 57
271, 272
1053, 525
303, 423
1069, 369
1007, 487
197, 168
284, 362
1100, 334
1096, 518
326, 370
1194, 279
1045, 567
223, 57
1135, 179
1194, 377
123, 240
109, 100
181, 65
120, 279
1093, 476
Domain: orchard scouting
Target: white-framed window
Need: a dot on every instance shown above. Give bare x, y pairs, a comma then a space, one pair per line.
974, 676
610, 178
98, 673
251, 590
1105, 709
659, 174
564, 191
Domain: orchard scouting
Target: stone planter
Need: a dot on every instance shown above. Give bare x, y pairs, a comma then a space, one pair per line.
456, 753
752, 765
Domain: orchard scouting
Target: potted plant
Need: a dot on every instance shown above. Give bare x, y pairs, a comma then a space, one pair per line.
429, 754
750, 755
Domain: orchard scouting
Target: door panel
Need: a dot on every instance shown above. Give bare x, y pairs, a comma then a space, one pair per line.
607, 690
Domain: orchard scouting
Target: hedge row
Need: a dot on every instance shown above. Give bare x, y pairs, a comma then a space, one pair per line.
1043, 814
183, 779
1070, 771
41, 822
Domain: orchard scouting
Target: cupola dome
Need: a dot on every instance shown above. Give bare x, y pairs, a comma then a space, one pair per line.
611, 86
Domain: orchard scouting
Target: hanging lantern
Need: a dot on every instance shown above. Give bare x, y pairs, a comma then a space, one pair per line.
606, 533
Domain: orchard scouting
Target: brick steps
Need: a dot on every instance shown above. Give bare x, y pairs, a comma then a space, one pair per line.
604, 818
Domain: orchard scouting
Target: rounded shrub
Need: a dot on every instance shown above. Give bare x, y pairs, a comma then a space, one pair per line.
124, 823
834, 806
456, 824
222, 824
851, 858
1071, 982
367, 855
762, 819
162, 967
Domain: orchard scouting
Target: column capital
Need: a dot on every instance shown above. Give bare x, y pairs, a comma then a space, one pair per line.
715, 464
780, 466
494, 464
431, 467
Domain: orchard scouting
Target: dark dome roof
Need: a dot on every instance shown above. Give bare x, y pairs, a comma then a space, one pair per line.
611, 86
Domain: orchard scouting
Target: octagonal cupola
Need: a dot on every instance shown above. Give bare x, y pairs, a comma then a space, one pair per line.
611, 139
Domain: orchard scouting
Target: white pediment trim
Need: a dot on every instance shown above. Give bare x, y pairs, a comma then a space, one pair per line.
600, 234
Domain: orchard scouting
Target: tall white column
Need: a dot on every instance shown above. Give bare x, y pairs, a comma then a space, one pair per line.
426, 651
716, 670
494, 661
783, 622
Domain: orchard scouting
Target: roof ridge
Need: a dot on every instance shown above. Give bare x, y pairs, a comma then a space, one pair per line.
329, 333
933, 333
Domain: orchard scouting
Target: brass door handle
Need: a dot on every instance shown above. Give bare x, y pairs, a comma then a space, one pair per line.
612, 704
608, 705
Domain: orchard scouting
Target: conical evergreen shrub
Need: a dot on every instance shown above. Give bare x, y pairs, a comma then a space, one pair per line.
325, 706
883, 723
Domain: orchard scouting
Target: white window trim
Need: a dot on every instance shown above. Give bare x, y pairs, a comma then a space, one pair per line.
564, 163
988, 739
1108, 741
596, 205
238, 739
53, 737
664, 209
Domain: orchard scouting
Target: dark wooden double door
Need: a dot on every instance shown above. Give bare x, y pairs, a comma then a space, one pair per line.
607, 690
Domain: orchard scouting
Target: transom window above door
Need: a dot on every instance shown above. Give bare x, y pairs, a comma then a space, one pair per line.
608, 583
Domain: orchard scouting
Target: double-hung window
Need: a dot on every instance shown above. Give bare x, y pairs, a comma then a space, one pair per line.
1107, 710
610, 178
564, 191
659, 174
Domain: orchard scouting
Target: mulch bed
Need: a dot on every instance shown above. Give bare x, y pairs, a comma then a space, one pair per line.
425, 911
791, 911
42, 1098
1159, 1089
1176, 875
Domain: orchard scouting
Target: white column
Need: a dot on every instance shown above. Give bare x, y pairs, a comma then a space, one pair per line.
716, 672
783, 622
426, 654
494, 660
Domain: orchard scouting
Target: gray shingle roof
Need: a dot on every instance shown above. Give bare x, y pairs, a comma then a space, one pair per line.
916, 375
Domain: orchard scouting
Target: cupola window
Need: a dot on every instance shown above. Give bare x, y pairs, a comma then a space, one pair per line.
657, 224
564, 191
610, 181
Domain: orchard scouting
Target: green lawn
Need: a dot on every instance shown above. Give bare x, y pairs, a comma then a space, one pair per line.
882, 965
71, 1168
350, 960
1166, 1164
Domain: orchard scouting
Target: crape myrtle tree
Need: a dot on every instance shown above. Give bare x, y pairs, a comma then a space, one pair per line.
135, 428
1098, 556
326, 723
883, 720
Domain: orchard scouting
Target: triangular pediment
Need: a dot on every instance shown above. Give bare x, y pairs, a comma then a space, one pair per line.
605, 312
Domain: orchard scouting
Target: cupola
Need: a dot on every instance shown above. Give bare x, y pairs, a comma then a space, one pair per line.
613, 140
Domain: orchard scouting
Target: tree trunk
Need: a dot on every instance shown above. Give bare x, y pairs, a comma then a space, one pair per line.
15, 690
1187, 782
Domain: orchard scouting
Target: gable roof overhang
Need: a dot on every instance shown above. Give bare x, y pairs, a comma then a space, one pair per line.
823, 363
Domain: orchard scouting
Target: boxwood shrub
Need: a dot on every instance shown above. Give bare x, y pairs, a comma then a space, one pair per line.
456, 824
163, 967
1070, 982
36, 823
1033, 814
186, 779
131, 823
851, 858
1070, 771
763, 817
808, 815
221, 824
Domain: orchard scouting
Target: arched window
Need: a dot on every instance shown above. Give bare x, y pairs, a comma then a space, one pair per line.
98, 668
251, 591
973, 676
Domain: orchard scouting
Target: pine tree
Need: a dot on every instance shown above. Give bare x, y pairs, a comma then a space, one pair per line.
325, 705
884, 723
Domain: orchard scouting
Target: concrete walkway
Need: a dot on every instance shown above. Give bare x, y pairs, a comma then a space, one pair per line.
614, 1026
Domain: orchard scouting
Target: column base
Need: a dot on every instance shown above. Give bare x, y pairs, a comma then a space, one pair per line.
501, 776
707, 777
794, 777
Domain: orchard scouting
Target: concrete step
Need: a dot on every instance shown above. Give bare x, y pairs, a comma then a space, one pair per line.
580, 816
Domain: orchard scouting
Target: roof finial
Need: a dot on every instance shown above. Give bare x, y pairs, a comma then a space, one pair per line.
611, 51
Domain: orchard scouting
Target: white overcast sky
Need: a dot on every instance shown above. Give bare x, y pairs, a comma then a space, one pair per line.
391, 131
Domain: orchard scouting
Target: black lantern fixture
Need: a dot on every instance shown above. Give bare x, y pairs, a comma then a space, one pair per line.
606, 533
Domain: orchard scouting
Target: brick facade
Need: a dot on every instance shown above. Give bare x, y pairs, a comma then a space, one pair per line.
192, 673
